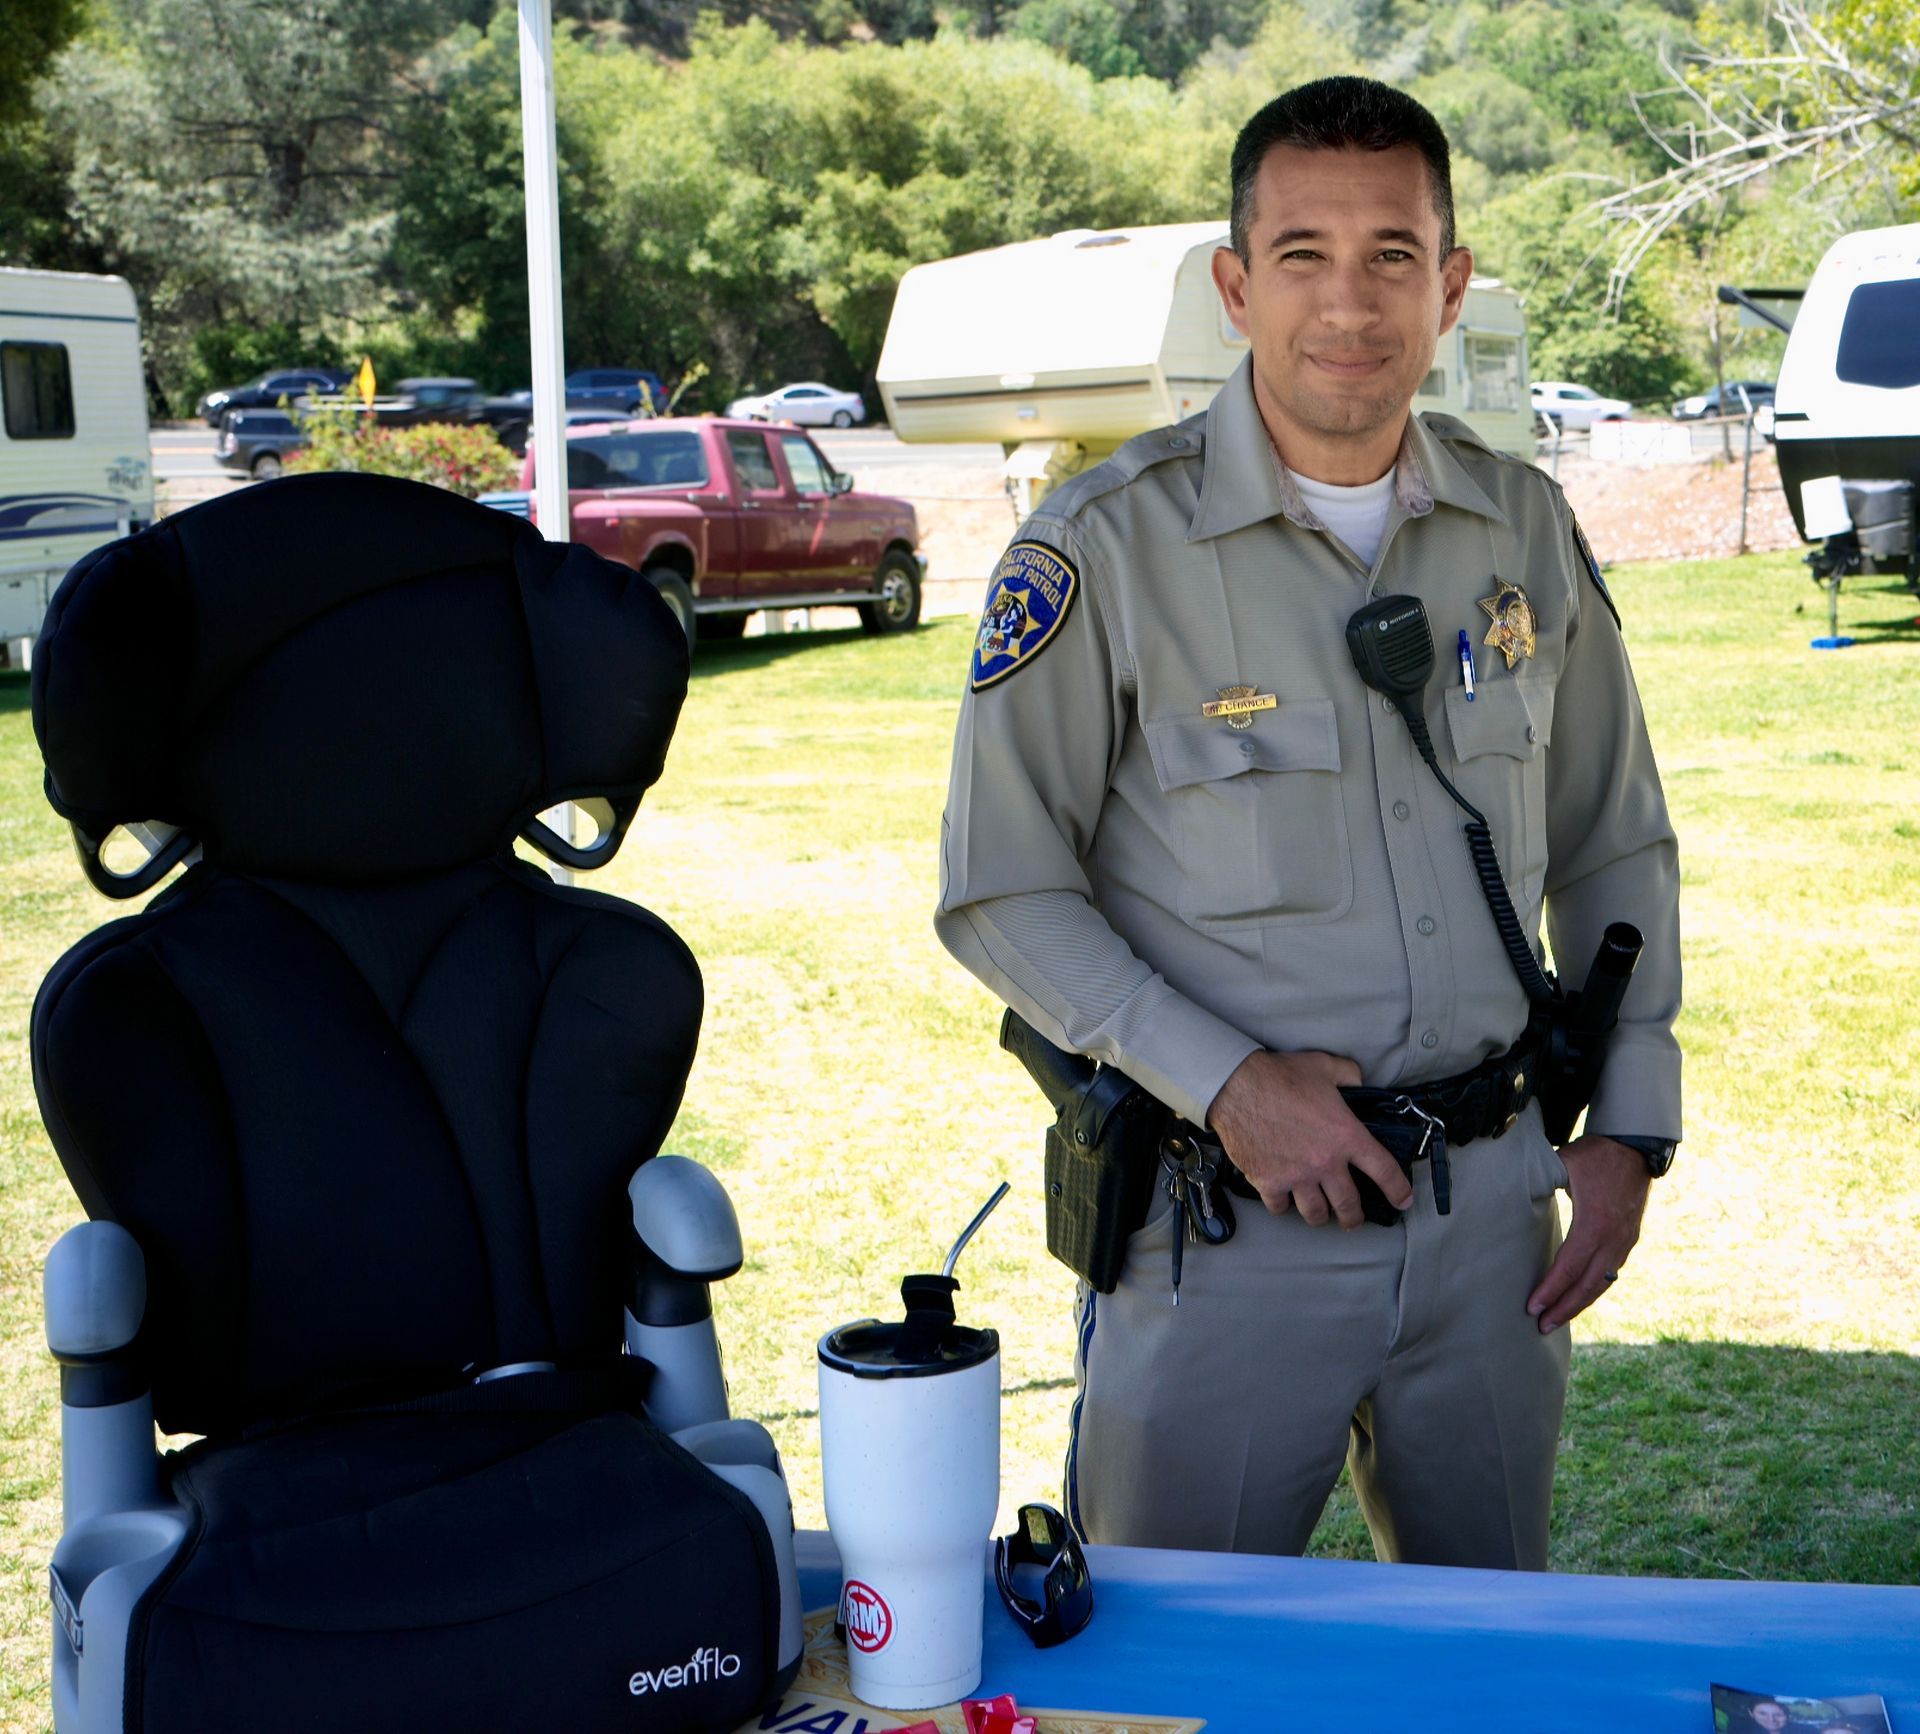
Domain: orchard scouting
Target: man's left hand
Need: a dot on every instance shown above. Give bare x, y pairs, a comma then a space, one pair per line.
1609, 1185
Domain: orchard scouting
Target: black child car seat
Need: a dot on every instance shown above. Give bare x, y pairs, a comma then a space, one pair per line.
353, 1107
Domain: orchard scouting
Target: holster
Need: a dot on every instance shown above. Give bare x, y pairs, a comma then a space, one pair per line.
1102, 1153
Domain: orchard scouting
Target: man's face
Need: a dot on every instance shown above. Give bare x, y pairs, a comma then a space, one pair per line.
1772, 1717
1344, 297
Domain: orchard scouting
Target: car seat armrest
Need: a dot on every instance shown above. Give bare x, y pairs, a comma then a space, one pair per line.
684, 1220
95, 1296
685, 1236
95, 1292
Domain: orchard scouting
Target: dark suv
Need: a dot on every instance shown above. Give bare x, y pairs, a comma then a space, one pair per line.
266, 391
257, 440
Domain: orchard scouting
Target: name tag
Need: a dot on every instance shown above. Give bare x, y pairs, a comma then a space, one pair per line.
1242, 703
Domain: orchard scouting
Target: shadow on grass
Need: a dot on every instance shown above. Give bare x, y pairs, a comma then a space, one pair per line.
726, 656
16, 690
1726, 1460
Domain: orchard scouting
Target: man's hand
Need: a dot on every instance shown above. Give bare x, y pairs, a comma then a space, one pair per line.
1283, 1121
1609, 1184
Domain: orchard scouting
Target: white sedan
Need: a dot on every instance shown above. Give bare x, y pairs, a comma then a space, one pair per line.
1574, 407
806, 405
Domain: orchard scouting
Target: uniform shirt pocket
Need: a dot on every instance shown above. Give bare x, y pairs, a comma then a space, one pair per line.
1261, 831
1500, 742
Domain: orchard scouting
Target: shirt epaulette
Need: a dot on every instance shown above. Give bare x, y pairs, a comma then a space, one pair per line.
1141, 453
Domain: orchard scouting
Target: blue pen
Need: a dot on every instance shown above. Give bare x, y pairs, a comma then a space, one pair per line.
1466, 662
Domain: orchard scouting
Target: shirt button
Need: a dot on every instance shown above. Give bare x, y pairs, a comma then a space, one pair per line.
1386, 704
1430, 1039
1178, 442
1246, 749
1426, 924
1401, 810
1533, 734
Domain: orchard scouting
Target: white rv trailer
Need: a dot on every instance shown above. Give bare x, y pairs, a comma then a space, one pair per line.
76, 466
1062, 349
1846, 413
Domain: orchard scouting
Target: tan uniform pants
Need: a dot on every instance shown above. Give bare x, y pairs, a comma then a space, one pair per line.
1406, 1351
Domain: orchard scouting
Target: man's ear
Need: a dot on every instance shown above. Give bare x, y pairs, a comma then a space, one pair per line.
1456, 272
1230, 278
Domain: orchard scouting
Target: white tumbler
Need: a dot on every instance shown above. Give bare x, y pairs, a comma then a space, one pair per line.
910, 1454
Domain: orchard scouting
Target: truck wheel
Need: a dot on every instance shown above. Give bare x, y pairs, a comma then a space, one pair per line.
896, 603
842, 419
675, 594
266, 465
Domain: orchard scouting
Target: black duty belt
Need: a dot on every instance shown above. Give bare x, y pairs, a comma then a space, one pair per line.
1481, 1103
1415, 1123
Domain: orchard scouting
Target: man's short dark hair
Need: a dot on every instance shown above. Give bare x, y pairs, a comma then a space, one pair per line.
1334, 114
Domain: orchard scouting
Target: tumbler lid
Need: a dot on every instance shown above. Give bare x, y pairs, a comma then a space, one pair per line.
885, 1349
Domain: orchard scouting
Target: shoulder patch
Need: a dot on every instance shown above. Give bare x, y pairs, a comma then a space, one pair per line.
1027, 601
1584, 550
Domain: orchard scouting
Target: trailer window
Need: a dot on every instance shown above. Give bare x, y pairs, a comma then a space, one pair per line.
1880, 340
37, 385
1493, 373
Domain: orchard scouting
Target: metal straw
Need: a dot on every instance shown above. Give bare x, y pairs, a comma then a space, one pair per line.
967, 1233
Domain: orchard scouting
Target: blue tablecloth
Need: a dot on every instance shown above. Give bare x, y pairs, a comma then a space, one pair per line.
1267, 1646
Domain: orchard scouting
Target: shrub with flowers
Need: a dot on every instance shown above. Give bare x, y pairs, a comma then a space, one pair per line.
467, 460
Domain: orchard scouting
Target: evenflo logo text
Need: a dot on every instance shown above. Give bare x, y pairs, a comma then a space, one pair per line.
706, 1665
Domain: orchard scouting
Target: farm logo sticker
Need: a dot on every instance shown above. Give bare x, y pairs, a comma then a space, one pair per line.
868, 1619
1032, 589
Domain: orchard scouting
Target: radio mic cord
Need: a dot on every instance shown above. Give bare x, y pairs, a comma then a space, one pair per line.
1393, 650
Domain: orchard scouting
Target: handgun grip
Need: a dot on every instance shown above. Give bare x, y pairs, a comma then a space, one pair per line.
1060, 1075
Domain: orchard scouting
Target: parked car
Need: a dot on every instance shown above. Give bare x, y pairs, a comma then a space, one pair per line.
728, 517
257, 441
626, 391
808, 405
454, 400
268, 389
1724, 400
1574, 408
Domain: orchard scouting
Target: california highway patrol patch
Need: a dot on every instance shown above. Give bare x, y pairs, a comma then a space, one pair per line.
1027, 600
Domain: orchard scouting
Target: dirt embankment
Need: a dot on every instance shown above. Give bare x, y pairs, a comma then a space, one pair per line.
1687, 511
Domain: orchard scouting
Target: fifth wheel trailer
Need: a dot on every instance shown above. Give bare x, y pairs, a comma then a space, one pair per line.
76, 467
1846, 418
1062, 349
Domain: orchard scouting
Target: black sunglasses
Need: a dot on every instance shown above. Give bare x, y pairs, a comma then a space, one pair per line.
1042, 1539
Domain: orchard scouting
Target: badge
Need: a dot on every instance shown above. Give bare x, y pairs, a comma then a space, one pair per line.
1238, 704
1027, 600
1512, 615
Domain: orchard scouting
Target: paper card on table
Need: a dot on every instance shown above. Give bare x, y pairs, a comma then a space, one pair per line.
821, 1701
1737, 1710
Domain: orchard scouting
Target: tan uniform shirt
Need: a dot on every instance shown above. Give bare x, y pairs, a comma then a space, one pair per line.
1166, 892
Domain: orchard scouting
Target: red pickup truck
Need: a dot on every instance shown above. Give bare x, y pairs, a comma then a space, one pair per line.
730, 517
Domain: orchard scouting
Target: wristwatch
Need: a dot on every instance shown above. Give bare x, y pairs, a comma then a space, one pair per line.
1657, 1153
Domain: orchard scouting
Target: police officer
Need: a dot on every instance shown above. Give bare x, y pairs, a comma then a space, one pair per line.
1184, 838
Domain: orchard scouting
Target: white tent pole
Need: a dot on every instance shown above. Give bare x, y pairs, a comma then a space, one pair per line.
543, 264
542, 170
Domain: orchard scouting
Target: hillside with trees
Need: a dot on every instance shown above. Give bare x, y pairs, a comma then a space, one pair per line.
743, 185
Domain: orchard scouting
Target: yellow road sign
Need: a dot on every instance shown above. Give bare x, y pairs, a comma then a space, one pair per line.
363, 380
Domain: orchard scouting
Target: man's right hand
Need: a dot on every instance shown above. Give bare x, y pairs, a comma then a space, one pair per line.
1282, 1119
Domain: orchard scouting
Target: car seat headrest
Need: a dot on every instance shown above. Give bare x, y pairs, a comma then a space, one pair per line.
351, 678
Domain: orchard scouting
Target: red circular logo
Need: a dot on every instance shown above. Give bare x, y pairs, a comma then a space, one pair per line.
865, 1614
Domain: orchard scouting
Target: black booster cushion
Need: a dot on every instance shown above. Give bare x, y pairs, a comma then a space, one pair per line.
369, 1139
350, 677
529, 1554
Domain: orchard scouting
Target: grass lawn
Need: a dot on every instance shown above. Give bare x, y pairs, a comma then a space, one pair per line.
1743, 1403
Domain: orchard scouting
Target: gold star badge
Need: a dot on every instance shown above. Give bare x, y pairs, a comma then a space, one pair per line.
1512, 615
